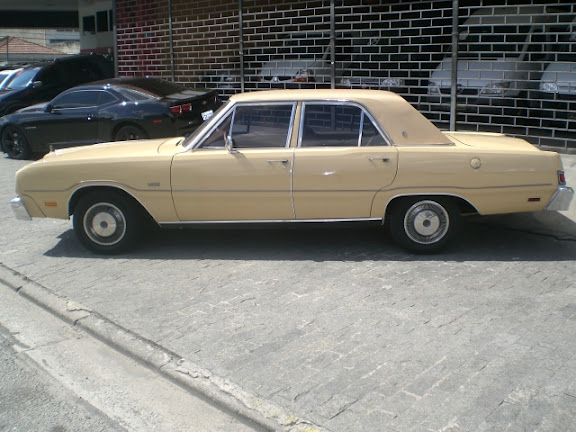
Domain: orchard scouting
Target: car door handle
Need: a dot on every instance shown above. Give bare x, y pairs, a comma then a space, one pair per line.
383, 159
284, 162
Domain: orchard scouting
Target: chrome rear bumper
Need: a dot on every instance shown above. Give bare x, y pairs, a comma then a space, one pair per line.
19, 209
561, 199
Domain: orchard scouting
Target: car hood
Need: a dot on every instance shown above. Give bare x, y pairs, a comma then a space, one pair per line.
490, 141
473, 73
563, 74
115, 151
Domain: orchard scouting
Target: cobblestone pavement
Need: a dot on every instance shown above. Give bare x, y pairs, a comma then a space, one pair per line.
339, 326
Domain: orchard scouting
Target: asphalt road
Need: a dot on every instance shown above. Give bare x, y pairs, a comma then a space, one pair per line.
339, 326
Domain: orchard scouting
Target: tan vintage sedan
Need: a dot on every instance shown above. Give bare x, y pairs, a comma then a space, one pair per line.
295, 156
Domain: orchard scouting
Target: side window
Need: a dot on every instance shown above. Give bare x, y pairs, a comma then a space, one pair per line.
370, 134
79, 99
253, 126
331, 125
106, 98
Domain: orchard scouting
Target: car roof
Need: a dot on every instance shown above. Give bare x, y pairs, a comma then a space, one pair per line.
403, 123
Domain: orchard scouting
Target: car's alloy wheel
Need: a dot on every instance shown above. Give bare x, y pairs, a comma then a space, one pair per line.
424, 224
15, 143
107, 222
129, 132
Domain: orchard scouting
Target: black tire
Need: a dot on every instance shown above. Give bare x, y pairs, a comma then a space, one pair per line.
14, 143
129, 132
108, 222
424, 224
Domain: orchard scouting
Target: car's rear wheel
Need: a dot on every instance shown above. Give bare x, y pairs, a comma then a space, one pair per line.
129, 132
107, 222
424, 224
14, 143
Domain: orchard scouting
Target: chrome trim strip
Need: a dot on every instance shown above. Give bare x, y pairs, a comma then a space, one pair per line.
225, 222
561, 199
19, 209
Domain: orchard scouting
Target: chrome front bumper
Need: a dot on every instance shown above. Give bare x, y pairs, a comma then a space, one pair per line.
19, 209
561, 199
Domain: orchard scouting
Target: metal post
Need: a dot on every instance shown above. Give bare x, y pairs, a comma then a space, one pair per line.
332, 45
241, 43
172, 63
115, 27
454, 75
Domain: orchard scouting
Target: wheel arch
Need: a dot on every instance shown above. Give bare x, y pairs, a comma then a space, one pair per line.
463, 204
125, 122
83, 191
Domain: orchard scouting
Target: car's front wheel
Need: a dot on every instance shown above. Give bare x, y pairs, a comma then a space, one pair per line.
14, 143
107, 222
424, 224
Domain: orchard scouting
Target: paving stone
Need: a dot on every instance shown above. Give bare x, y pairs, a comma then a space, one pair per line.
338, 326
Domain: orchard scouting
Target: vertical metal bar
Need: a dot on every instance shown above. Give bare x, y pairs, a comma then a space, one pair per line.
241, 42
172, 64
454, 75
332, 45
115, 27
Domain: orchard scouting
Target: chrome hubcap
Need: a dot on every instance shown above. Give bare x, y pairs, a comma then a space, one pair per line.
426, 222
105, 224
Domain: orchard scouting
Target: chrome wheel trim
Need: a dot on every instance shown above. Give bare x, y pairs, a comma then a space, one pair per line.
426, 222
104, 224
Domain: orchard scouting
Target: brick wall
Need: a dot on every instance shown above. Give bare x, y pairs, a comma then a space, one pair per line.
396, 44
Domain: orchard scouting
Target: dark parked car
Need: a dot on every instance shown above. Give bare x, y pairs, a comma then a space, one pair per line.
114, 110
43, 81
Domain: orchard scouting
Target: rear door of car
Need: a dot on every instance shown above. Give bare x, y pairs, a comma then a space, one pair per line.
341, 162
251, 182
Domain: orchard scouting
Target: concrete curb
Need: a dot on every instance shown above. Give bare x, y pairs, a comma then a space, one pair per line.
201, 382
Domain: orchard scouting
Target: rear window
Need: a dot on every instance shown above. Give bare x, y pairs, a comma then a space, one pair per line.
132, 94
158, 87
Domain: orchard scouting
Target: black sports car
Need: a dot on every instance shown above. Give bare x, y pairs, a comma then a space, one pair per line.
110, 110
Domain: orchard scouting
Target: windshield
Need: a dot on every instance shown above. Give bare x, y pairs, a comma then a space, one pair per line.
492, 41
190, 138
22, 79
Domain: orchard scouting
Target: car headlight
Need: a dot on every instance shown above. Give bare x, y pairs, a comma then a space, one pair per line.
345, 82
304, 75
392, 82
496, 88
433, 89
550, 87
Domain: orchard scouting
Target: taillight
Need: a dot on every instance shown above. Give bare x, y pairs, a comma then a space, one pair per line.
179, 109
561, 178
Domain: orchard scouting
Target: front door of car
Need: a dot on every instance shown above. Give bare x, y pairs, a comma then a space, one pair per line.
341, 162
249, 180
71, 119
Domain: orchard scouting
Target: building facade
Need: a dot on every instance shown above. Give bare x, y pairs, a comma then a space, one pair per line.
516, 71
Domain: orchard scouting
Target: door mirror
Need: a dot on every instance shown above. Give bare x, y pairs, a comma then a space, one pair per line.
37, 84
229, 144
